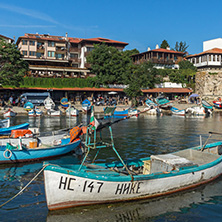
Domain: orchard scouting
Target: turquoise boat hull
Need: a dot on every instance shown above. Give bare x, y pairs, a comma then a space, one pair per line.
158, 175
7, 131
35, 154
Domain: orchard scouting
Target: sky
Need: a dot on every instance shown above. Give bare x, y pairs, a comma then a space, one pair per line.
140, 23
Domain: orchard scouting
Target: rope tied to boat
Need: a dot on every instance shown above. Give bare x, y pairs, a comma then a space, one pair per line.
25, 186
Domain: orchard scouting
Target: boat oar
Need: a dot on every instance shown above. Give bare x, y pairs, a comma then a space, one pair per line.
215, 133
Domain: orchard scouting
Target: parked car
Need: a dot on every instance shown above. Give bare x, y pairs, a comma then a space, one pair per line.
35, 98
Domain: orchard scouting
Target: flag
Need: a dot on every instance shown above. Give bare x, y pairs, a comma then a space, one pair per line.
93, 121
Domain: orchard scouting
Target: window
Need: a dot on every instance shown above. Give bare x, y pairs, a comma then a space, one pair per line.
60, 56
32, 53
72, 55
38, 54
51, 44
75, 65
31, 42
24, 42
24, 53
51, 54
89, 49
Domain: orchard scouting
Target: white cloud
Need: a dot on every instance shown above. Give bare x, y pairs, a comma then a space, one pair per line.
28, 12
28, 26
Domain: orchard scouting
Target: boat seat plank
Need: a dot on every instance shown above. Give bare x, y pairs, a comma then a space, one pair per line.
197, 157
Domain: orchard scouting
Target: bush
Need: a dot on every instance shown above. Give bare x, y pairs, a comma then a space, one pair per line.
57, 83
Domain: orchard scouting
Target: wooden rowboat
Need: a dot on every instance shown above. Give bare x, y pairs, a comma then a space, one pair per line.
10, 154
158, 175
178, 112
86, 105
7, 131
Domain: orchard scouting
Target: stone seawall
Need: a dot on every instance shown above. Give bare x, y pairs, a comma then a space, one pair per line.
209, 84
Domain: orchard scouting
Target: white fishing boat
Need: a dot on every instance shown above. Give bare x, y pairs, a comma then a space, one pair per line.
133, 112
178, 112
5, 123
72, 111
154, 176
52, 112
31, 112
198, 111
152, 108
38, 111
152, 111
48, 103
9, 113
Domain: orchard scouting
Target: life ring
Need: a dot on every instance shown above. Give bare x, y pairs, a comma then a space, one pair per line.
10, 154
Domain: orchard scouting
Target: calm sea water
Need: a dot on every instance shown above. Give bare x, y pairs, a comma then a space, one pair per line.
133, 138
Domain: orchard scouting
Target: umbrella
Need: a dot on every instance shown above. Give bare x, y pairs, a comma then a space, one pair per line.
194, 95
111, 93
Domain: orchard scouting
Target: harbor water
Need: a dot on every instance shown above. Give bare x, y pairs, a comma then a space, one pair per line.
134, 137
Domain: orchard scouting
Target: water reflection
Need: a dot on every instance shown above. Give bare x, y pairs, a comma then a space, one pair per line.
137, 137
143, 210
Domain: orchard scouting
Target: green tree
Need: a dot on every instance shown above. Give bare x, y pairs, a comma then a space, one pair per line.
185, 64
131, 52
181, 46
109, 64
12, 67
164, 44
141, 76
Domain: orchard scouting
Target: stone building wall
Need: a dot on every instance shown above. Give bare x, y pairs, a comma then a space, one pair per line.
209, 84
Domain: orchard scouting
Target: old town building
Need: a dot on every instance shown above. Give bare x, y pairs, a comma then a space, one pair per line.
210, 58
162, 58
59, 56
7, 39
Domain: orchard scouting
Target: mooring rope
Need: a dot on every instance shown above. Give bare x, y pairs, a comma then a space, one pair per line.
25, 186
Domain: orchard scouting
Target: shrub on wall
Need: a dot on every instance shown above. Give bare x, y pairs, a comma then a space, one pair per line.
57, 83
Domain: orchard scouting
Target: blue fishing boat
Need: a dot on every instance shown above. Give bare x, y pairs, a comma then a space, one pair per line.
154, 176
149, 103
64, 103
121, 113
7, 131
86, 105
178, 112
20, 153
163, 102
28, 106
206, 105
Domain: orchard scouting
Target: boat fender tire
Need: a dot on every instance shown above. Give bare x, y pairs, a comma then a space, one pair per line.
10, 154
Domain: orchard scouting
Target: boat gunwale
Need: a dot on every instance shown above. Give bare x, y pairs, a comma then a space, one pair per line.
157, 175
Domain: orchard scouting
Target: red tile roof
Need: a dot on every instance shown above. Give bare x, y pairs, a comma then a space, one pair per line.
63, 39
5, 37
211, 51
75, 40
42, 37
167, 51
161, 50
99, 39
168, 90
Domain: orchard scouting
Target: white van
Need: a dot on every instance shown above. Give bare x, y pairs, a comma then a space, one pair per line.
35, 98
